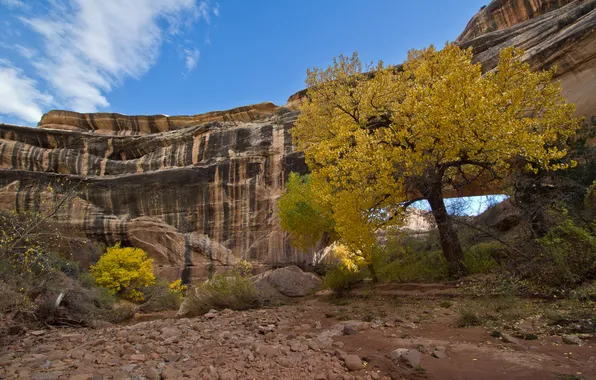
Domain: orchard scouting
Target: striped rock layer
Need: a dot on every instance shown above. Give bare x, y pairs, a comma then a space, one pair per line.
200, 191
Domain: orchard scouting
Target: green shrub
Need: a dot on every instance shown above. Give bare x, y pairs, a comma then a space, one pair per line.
480, 257
415, 267
567, 257
230, 290
341, 279
162, 296
468, 318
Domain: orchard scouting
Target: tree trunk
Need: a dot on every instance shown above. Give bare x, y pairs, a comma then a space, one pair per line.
449, 240
373, 274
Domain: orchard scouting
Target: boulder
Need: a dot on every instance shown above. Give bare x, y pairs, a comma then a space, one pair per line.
290, 281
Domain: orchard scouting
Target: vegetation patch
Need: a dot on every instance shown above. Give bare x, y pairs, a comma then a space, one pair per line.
229, 290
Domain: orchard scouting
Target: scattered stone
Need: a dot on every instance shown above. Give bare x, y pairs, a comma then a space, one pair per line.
353, 362
171, 373
509, 339
152, 374
86, 376
37, 332
210, 315
349, 330
439, 354
572, 339
138, 357
406, 356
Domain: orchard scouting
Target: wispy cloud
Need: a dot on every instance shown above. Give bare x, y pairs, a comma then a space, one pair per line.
13, 3
25, 51
191, 58
19, 94
88, 47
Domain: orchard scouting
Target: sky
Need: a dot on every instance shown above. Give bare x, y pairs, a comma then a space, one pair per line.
184, 57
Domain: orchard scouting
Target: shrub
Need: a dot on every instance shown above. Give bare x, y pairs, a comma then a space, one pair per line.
468, 318
229, 290
480, 257
568, 255
341, 278
124, 271
162, 296
415, 267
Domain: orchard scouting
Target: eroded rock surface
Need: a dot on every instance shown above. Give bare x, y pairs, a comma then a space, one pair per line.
564, 37
503, 14
195, 195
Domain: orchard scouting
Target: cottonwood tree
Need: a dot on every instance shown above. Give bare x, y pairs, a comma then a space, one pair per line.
376, 141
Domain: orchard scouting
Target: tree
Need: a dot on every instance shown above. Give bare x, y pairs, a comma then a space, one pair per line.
376, 141
301, 215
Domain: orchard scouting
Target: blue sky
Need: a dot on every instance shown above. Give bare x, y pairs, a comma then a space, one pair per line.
191, 56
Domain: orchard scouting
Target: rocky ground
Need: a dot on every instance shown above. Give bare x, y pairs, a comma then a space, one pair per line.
317, 338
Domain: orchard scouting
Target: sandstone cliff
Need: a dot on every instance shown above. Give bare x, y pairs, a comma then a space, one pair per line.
564, 37
200, 191
189, 192
503, 14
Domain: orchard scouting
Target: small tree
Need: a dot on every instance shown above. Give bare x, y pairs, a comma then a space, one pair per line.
377, 141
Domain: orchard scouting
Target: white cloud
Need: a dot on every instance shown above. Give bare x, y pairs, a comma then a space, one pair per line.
191, 58
216, 10
19, 94
91, 46
24, 51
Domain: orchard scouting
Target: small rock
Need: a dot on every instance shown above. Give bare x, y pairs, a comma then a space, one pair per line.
152, 374
138, 357
211, 314
85, 376
404, 355
321, 377
353, 362
375, 376
171, 373
37, 332
509, 339
439, 354
572, 339
350, 330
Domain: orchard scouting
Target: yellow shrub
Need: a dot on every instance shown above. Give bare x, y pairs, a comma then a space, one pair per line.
244, 268
124, 271
177, 287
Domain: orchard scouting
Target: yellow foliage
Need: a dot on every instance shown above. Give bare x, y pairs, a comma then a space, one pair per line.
350, 260
375, 140
177, 287
124, 271
244, 268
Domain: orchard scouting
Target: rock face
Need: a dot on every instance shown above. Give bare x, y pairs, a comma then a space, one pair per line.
503, 14
565, 37
193, 191
200, 191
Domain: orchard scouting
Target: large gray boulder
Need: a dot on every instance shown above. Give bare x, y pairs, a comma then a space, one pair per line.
284, 282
